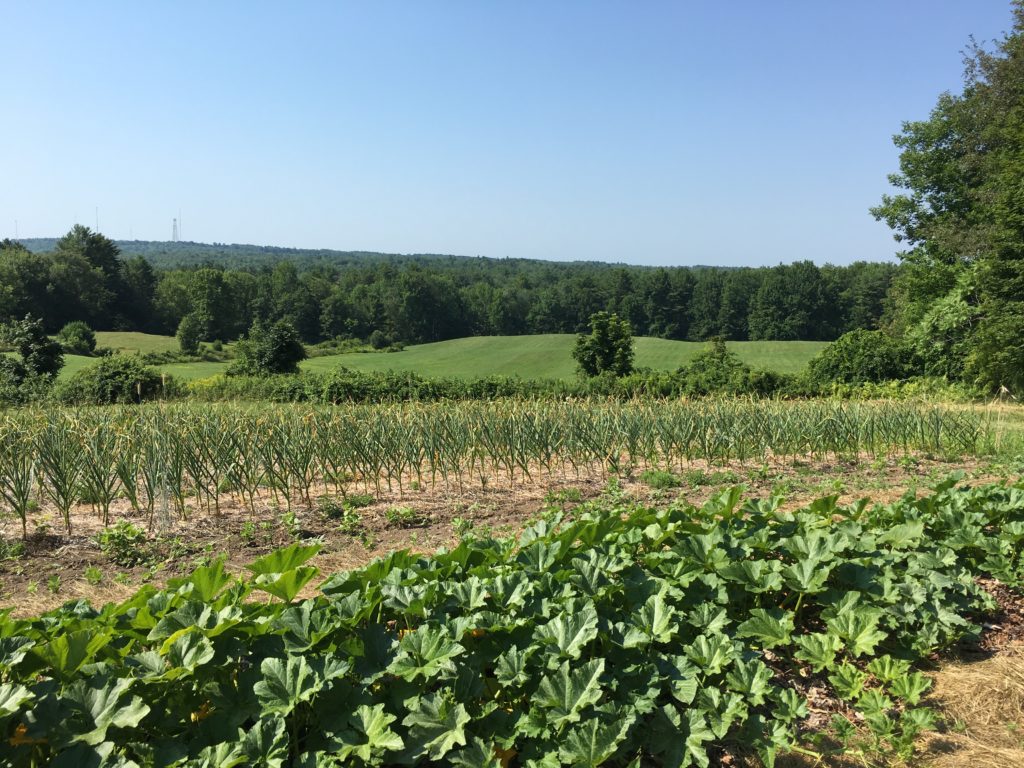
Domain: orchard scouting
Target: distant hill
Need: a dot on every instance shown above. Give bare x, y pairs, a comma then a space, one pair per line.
171, 255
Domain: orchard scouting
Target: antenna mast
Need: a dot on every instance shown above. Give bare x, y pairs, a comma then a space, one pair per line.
174, 231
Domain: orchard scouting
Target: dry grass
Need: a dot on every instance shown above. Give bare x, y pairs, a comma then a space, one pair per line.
983, 701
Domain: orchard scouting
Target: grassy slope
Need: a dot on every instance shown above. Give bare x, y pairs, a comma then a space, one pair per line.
550, 356
544, 356
132, 342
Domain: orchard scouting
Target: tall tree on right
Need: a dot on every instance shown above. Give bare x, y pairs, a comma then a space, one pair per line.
961, 214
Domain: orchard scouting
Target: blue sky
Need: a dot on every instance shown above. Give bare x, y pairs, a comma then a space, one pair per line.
645, 132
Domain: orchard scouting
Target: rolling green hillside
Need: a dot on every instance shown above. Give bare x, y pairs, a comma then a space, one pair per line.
545, 356
550, 356
136, 343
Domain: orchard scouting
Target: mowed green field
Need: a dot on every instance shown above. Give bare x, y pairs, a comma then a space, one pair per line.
550, 356
136, 343
547, 356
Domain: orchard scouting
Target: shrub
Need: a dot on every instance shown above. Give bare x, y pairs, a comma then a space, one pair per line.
124, 544
77, 338
608, 349
190, 333
379, 340
716, 370
121, 379
861, 356
269, 350
39, 353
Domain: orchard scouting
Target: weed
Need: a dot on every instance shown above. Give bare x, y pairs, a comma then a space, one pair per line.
93, 575
358, 500
350, 522
248, 533
290, 521
53, 584
404, 517
11, 549
660, 479
124, 544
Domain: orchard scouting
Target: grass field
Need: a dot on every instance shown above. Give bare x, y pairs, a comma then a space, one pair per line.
547, 356
550, 356
136, 343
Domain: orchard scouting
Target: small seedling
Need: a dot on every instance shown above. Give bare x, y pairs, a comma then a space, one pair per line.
403, 517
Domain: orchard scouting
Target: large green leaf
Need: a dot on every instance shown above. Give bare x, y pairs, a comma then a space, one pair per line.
368, 735
654, 623
859, 630
286, 683
426, 653
207, 581
188, 650
511, 666
806, 576
476, 754
570, 632
770, 628
710, 652
437, 723
563, 693
98, 705
266, 743
12, 697
751, 678
66, 653
283, 560
288, 584
592, 742
756, 576
818, 649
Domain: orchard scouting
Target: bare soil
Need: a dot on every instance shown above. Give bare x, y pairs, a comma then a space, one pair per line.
56, 567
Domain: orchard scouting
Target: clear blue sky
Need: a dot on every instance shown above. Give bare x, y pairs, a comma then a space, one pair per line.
646, 132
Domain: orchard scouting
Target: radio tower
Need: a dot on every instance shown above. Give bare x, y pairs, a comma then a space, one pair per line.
174, 231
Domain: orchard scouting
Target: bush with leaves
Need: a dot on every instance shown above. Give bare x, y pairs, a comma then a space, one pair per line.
861, 356
190, 333
608, 349
716, 370
39, 354
118, 379
77, 338
268, 350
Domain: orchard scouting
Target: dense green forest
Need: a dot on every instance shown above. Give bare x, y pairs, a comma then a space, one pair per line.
222, 290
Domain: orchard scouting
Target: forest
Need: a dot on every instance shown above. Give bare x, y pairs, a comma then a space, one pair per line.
413, 299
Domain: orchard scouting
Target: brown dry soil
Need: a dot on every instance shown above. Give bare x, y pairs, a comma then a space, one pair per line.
980, 690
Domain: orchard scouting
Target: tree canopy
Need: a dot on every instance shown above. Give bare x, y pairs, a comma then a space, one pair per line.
607, 349
960, 212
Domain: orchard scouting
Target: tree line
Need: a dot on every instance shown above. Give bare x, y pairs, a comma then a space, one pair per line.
957, 304
87, 277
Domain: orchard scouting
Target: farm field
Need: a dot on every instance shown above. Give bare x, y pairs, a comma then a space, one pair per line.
132, 342
544, 356
268, 502
753, 676
550, 356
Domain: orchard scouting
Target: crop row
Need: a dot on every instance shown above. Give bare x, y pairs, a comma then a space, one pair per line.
158, 457
624, 636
